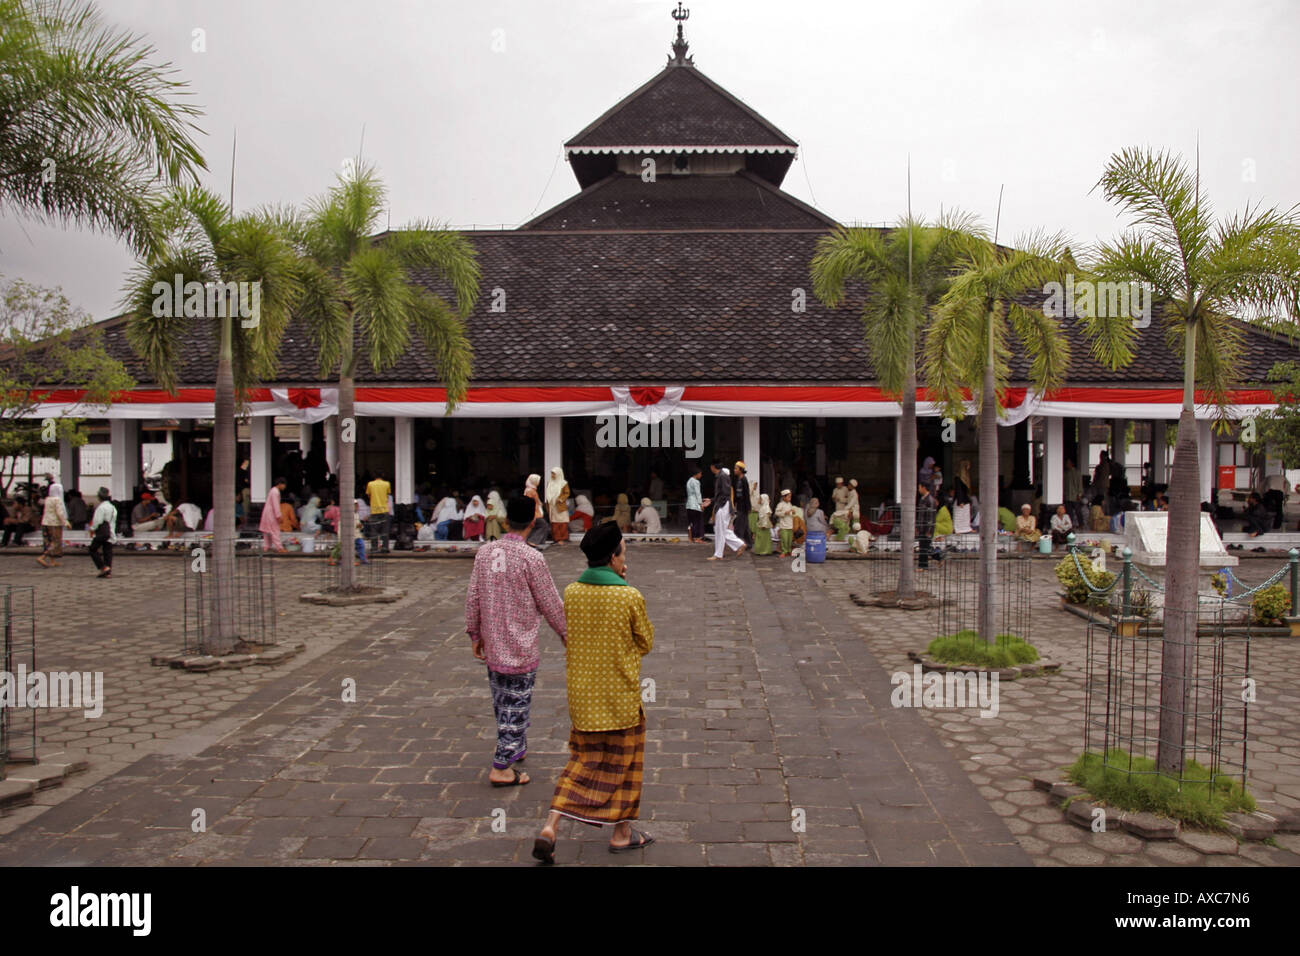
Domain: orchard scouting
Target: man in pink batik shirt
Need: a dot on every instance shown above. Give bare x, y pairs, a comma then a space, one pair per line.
510, 589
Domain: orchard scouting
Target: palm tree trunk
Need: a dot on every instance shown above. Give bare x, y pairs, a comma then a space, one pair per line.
988, 578
223, 630
1182, 561
907, 504
347, 479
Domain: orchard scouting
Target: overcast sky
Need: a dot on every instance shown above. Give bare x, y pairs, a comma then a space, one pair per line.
465, 105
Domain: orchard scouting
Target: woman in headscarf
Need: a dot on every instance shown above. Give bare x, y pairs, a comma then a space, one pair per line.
763, 533
583, 514
309, 514
816, 518
541, 530
623, 514
496, 516
448, 511
557, 504
475, 520
53, 521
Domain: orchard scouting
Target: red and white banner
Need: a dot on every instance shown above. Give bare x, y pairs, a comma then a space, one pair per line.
644, 403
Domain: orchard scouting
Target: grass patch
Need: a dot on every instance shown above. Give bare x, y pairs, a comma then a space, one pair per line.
1197, 803
965, 647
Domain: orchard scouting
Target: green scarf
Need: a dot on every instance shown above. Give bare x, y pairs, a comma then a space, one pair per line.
601, 575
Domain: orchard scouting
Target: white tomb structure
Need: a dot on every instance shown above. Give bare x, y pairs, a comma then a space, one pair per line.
1144, 535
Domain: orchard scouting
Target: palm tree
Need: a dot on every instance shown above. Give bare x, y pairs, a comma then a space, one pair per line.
1209, 275
87, 124
969, 345
360, 297
906, 272
202, 241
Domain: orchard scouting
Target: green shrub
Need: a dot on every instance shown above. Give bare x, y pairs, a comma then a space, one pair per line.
1076, 591
1131, 783
1271, 604
965, 647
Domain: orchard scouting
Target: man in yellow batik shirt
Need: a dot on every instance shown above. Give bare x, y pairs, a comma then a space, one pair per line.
381, 519
608, 634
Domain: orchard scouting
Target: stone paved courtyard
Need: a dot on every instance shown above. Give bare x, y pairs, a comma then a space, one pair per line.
771, 699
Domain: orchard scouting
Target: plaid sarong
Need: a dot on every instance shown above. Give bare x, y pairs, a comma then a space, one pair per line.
512, 694
601, 783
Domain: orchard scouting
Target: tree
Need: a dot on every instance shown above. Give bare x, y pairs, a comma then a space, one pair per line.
906, 272
361, 300
1279, 428
1209, 275
985, 313
87, 124
245, 284
45, 343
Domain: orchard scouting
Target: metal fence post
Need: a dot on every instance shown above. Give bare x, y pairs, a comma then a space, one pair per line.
1294, 556
1127, 554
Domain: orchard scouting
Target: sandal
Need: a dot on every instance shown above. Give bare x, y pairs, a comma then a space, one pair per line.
516, 782
635, 842
544, 850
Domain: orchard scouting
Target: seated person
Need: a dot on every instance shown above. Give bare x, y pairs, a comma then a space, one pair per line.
581, 514
146, 516
288, 516
943, 522
1061, 525
17, 522
816, 519
1027, 526
1097, 517
647, 519
78, 513
1258, 518
1117, 519
861, 540
182, 518
329, 518
623, 514
309, 514
475, 520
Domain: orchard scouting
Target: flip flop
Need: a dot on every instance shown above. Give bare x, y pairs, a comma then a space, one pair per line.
544, 850
516, 782
638, 841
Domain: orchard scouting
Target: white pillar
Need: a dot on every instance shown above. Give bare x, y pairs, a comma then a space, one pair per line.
1159, 450
403, 460
1205, 453
751, 447
332, 443
124, 433
261, 428
1085, 451
1054, 462
304, 439
898, 460
552, 442
69, 465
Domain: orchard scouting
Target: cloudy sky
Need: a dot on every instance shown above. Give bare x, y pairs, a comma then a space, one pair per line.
465, 106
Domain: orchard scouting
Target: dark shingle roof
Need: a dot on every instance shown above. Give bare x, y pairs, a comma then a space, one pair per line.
681, 202
660, 307
680, 106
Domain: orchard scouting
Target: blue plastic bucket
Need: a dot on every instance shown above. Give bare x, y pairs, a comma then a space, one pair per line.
814, 547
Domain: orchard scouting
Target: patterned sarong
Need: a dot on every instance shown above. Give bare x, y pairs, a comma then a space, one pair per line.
601, 783
512, 695
53, 534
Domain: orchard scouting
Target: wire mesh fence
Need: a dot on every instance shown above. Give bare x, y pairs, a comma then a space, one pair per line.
248, 588
956, 585
369, 566
1156, 703
18, 723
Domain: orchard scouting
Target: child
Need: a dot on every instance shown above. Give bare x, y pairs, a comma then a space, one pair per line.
763, 534
785, 521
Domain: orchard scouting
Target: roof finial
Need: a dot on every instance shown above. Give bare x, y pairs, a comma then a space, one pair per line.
679, 57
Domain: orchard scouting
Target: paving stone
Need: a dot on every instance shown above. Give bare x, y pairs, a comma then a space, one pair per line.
1208, 843
1149, 826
